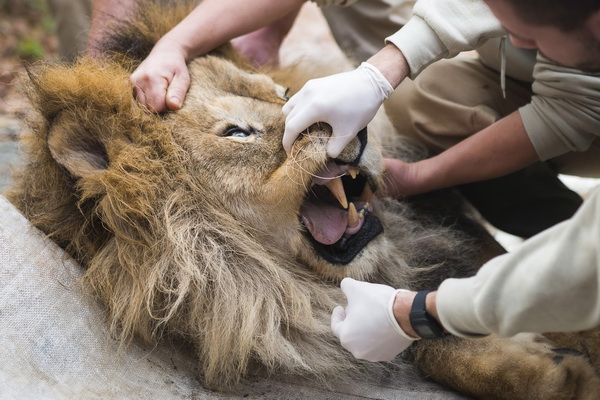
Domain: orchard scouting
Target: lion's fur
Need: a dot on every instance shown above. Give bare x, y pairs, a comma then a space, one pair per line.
186, 232
135, 204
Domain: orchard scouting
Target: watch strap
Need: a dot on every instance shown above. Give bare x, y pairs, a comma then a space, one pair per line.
426, 326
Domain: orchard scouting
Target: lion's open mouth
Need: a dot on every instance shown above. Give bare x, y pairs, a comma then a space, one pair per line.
337, 213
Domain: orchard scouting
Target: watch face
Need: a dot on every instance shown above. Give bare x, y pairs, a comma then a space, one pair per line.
425, 331
423, 323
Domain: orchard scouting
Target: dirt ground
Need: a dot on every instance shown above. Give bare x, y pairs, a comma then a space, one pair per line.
26, 36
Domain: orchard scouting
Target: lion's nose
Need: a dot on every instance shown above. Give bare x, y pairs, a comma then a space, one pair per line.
354, 150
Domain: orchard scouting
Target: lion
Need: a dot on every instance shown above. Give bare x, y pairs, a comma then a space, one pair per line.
197, 225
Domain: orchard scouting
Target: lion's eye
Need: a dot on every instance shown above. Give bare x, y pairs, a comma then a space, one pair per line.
245, 135
236, 131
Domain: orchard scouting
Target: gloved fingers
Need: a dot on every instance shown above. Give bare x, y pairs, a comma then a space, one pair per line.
338, 142
347, 285
295, 123
289, 105
350, 287
337, 320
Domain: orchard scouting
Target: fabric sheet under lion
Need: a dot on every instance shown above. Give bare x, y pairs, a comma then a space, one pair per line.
56, 345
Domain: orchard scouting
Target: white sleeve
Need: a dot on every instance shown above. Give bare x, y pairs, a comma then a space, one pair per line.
442, 29
564, 113
551, 283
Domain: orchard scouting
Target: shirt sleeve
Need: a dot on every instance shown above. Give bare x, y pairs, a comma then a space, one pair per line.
549, 284
442, 29
564, 113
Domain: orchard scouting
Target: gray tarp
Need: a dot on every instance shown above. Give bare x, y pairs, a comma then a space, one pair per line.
54, 342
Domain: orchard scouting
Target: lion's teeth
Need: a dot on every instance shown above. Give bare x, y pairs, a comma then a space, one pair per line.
352, 216
353, 171
336, 187
366, 195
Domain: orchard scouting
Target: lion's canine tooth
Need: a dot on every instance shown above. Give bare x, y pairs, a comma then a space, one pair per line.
352, 216
336, 187
353, 171
366, 195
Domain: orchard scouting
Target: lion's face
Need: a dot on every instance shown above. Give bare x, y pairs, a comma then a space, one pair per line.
315, 209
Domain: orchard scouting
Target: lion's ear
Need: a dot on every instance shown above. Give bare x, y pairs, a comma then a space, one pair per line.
85, 107
82, 154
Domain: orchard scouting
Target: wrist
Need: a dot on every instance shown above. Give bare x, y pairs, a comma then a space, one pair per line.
401, 309
167, 45
391, 64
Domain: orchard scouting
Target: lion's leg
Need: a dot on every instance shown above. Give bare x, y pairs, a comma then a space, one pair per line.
587, 342
497, 368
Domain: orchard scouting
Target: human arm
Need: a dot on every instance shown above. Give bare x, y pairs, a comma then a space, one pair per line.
346, 101
366, 326
551, 283
262, 46
162, 79
336, 99
103, 13
442, 29
498, 150
564, 113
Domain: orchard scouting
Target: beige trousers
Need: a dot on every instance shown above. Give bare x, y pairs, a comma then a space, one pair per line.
453, 99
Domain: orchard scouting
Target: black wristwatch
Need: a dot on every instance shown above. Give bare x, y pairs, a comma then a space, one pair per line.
422, 322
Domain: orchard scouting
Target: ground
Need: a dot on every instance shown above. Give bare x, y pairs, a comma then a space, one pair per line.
26, 36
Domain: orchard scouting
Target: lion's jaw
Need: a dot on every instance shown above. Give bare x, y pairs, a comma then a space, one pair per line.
341, 233
318, 210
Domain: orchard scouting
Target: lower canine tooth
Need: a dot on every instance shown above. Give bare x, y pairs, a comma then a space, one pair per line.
367, 194
353, 217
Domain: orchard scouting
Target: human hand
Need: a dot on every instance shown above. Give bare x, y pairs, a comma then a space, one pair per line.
367, 326
347, 101
162, 80
401, 178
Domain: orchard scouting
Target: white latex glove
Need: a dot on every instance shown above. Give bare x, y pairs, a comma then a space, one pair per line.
346, 101
367, 327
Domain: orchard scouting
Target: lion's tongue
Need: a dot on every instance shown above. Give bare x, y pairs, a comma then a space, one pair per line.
325, 221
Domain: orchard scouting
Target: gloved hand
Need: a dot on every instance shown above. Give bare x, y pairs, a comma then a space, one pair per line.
367, 327
346, 101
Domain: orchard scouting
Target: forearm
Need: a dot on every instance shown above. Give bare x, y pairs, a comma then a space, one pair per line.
391, 63
205, 28
442, 29
502, 148
103, 12
548, 284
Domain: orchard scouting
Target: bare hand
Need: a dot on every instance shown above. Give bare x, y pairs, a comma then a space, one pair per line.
162, 80
400, 178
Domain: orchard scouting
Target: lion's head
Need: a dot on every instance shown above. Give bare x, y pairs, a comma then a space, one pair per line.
198, 224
